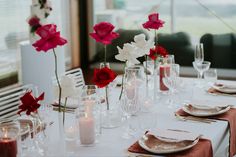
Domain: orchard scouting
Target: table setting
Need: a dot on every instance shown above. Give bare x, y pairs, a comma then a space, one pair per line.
148, 110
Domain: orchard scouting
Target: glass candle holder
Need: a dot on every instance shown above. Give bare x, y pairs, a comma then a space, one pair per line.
89, 116
9, 139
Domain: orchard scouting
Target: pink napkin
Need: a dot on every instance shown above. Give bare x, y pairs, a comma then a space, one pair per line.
214, 91
202, 149
229, 116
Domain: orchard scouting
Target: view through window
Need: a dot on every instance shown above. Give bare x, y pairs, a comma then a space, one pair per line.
190, 16
14, 29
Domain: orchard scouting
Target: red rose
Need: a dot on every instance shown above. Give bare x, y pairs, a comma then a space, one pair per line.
50, 38
102, 77
103, 33
157, 51
34, 21
29, 103
153, 22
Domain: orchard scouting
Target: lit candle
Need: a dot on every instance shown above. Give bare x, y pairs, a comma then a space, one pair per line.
8, 147
162, 73
71, 132
86, 130
130, 90
89, 103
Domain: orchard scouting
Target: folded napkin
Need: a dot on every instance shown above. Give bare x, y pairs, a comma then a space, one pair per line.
229, 116
176, 135
202, 149
222, 89
212, 90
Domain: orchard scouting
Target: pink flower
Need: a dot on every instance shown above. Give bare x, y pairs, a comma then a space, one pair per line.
153, 22
50, 38
157, 51
29, 103
103, 33
34, 21
102, 77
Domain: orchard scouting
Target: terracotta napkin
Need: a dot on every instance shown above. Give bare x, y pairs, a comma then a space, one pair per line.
202, 149
229, 116
214, 91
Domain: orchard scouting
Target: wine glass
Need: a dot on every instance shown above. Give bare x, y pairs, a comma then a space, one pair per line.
199, 53
171, 73
201, 67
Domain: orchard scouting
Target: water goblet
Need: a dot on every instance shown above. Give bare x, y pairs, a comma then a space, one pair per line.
201, 67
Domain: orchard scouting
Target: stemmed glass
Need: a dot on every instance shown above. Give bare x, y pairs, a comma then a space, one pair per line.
201, 67
199, 53
130, 103
171, 75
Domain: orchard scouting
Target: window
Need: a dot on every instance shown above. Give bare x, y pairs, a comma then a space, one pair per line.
195, 17
198, 20
14, 29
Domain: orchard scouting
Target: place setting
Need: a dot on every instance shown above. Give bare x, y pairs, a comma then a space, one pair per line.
203, 113
222, 89
104, 83
170, 142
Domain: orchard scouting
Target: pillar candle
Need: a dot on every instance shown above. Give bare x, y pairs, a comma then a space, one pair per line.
162, 70
86, 130
8, 147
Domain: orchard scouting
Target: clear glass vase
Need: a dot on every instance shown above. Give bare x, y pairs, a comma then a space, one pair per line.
110, 113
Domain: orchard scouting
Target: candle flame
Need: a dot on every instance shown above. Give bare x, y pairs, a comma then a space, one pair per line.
5, 132
86, 115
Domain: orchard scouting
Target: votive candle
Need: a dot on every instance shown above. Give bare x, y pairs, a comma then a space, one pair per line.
8, 147
162, 73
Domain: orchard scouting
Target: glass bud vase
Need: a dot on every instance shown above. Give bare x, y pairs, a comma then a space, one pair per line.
111, 117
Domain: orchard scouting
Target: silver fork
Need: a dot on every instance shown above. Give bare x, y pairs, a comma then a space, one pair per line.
197, 119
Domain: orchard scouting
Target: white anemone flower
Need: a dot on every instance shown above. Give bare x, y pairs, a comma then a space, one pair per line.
128, 54
143, 46
67, 85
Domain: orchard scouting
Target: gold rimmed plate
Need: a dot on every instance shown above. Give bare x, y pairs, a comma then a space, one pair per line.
205, 111
228, 89
165, 145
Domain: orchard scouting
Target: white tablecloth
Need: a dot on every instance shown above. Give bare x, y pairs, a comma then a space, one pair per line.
111, 143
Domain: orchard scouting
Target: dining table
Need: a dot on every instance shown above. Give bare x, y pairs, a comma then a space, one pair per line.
110, 143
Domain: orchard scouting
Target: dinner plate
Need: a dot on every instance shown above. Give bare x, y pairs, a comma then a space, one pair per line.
159, 145
204, 111
229, 89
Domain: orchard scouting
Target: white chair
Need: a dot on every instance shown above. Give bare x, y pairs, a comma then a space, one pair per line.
10, 101
78, 76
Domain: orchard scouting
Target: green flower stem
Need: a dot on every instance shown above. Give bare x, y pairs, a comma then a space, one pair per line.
155, 80
106, 88
122, 83
155, 37
58, 82
146, 76
64, 111
105, 56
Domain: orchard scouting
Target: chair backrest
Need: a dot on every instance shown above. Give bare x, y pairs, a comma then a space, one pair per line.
78, 76
10, 100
